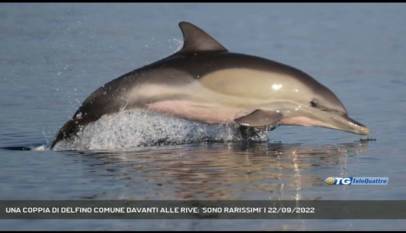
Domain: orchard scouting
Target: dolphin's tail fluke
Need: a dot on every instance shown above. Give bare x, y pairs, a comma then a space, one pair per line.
68, 130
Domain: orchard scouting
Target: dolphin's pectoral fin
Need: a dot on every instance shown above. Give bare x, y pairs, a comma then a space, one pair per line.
195, 40
260, 119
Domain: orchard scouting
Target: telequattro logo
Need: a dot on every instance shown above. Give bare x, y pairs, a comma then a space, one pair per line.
357, 180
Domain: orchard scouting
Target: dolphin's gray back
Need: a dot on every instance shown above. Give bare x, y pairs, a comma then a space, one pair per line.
197, 65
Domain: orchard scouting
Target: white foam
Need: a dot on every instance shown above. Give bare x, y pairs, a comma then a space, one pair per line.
131, 129
40, 148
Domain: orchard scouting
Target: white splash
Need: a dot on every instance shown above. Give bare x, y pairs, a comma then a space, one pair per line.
177, 43
40, 148
132, 129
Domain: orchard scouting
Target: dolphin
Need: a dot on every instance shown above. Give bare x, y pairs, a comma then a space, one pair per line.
204, 82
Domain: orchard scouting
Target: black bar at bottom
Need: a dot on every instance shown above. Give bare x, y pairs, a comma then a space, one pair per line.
115, 209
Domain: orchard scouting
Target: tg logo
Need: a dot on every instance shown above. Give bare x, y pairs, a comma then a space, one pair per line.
338, 180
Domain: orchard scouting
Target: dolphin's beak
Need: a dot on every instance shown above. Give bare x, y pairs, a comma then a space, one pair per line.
345, 123
339, 121
331, 120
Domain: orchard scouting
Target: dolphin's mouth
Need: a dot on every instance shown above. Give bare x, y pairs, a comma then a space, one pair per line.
338, 122
354, 126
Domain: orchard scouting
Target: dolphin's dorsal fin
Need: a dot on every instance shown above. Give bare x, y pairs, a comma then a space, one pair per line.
195, 40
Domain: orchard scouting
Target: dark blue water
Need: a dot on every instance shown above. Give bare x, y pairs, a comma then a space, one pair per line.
52, 56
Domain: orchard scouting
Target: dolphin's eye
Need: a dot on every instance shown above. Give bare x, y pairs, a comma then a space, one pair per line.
313, 103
